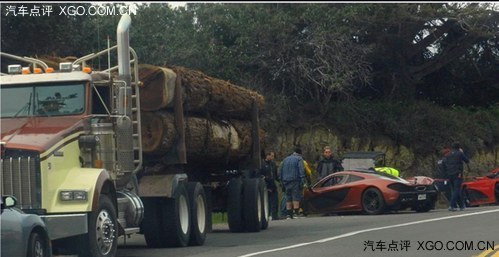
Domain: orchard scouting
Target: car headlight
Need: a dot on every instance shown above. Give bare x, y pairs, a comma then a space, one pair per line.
73, 195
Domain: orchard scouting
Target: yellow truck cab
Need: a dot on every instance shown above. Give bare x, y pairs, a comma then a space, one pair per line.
63, 160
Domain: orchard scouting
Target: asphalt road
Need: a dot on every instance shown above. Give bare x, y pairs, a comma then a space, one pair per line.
473, 232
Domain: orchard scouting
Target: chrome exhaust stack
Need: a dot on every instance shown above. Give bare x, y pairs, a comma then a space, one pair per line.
123, 38
124, 124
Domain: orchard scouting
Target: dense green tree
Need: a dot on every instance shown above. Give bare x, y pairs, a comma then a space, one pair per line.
26, 33
286, 49
415, 42
307, 54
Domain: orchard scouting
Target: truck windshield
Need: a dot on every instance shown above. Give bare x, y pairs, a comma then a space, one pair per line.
42, 100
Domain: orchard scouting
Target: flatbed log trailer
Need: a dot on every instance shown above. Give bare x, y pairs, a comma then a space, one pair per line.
71, 152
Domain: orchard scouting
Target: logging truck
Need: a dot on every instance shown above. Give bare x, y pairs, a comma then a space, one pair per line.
78, 150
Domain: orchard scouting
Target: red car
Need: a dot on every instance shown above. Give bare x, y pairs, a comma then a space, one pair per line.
482, 190
369, 191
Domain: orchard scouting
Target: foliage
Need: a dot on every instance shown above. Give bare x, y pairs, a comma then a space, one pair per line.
423, 127
415, 44
53, 34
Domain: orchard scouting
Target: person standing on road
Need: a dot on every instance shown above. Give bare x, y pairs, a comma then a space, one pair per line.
327, 164
292, 175
269, 172
453, 166
307, 184
441, 180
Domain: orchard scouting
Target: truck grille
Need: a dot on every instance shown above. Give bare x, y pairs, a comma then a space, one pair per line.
20, 177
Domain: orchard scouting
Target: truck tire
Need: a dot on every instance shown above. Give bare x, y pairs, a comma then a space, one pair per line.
102, 237
175, 218
252, 205
209, 202
235, 205
199, 217
151, 224
38, 245
265, 204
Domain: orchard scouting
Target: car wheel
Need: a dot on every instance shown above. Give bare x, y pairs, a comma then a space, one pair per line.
37, 246
372, 201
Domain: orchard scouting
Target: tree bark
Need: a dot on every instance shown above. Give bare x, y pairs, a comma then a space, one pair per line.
158, 89
206, 139
202, 94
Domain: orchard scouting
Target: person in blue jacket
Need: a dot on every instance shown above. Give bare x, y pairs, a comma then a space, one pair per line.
292, 177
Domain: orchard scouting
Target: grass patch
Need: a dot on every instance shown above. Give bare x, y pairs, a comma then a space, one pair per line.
219, 218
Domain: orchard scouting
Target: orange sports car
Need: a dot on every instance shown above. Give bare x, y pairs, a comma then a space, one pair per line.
369, 191
482, 190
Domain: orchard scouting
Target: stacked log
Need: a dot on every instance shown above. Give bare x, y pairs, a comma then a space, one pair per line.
158, 87
205, 138
217, 115
201, 93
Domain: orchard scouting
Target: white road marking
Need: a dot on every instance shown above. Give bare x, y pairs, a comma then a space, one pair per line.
365, 231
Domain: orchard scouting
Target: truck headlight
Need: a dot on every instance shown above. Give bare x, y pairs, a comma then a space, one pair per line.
73, 195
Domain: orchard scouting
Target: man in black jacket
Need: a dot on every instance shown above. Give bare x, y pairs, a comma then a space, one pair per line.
441, 181
327, 164
269, 172
453, 167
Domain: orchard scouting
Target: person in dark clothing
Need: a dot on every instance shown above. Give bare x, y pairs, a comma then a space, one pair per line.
327, 164
453, 166
269, 172
441, 181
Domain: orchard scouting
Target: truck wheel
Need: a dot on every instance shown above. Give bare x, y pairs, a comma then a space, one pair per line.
102, 230
151, 224
235, 206
199, 218
252, 205
175, 218
38, 246
209, 208
265, 204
